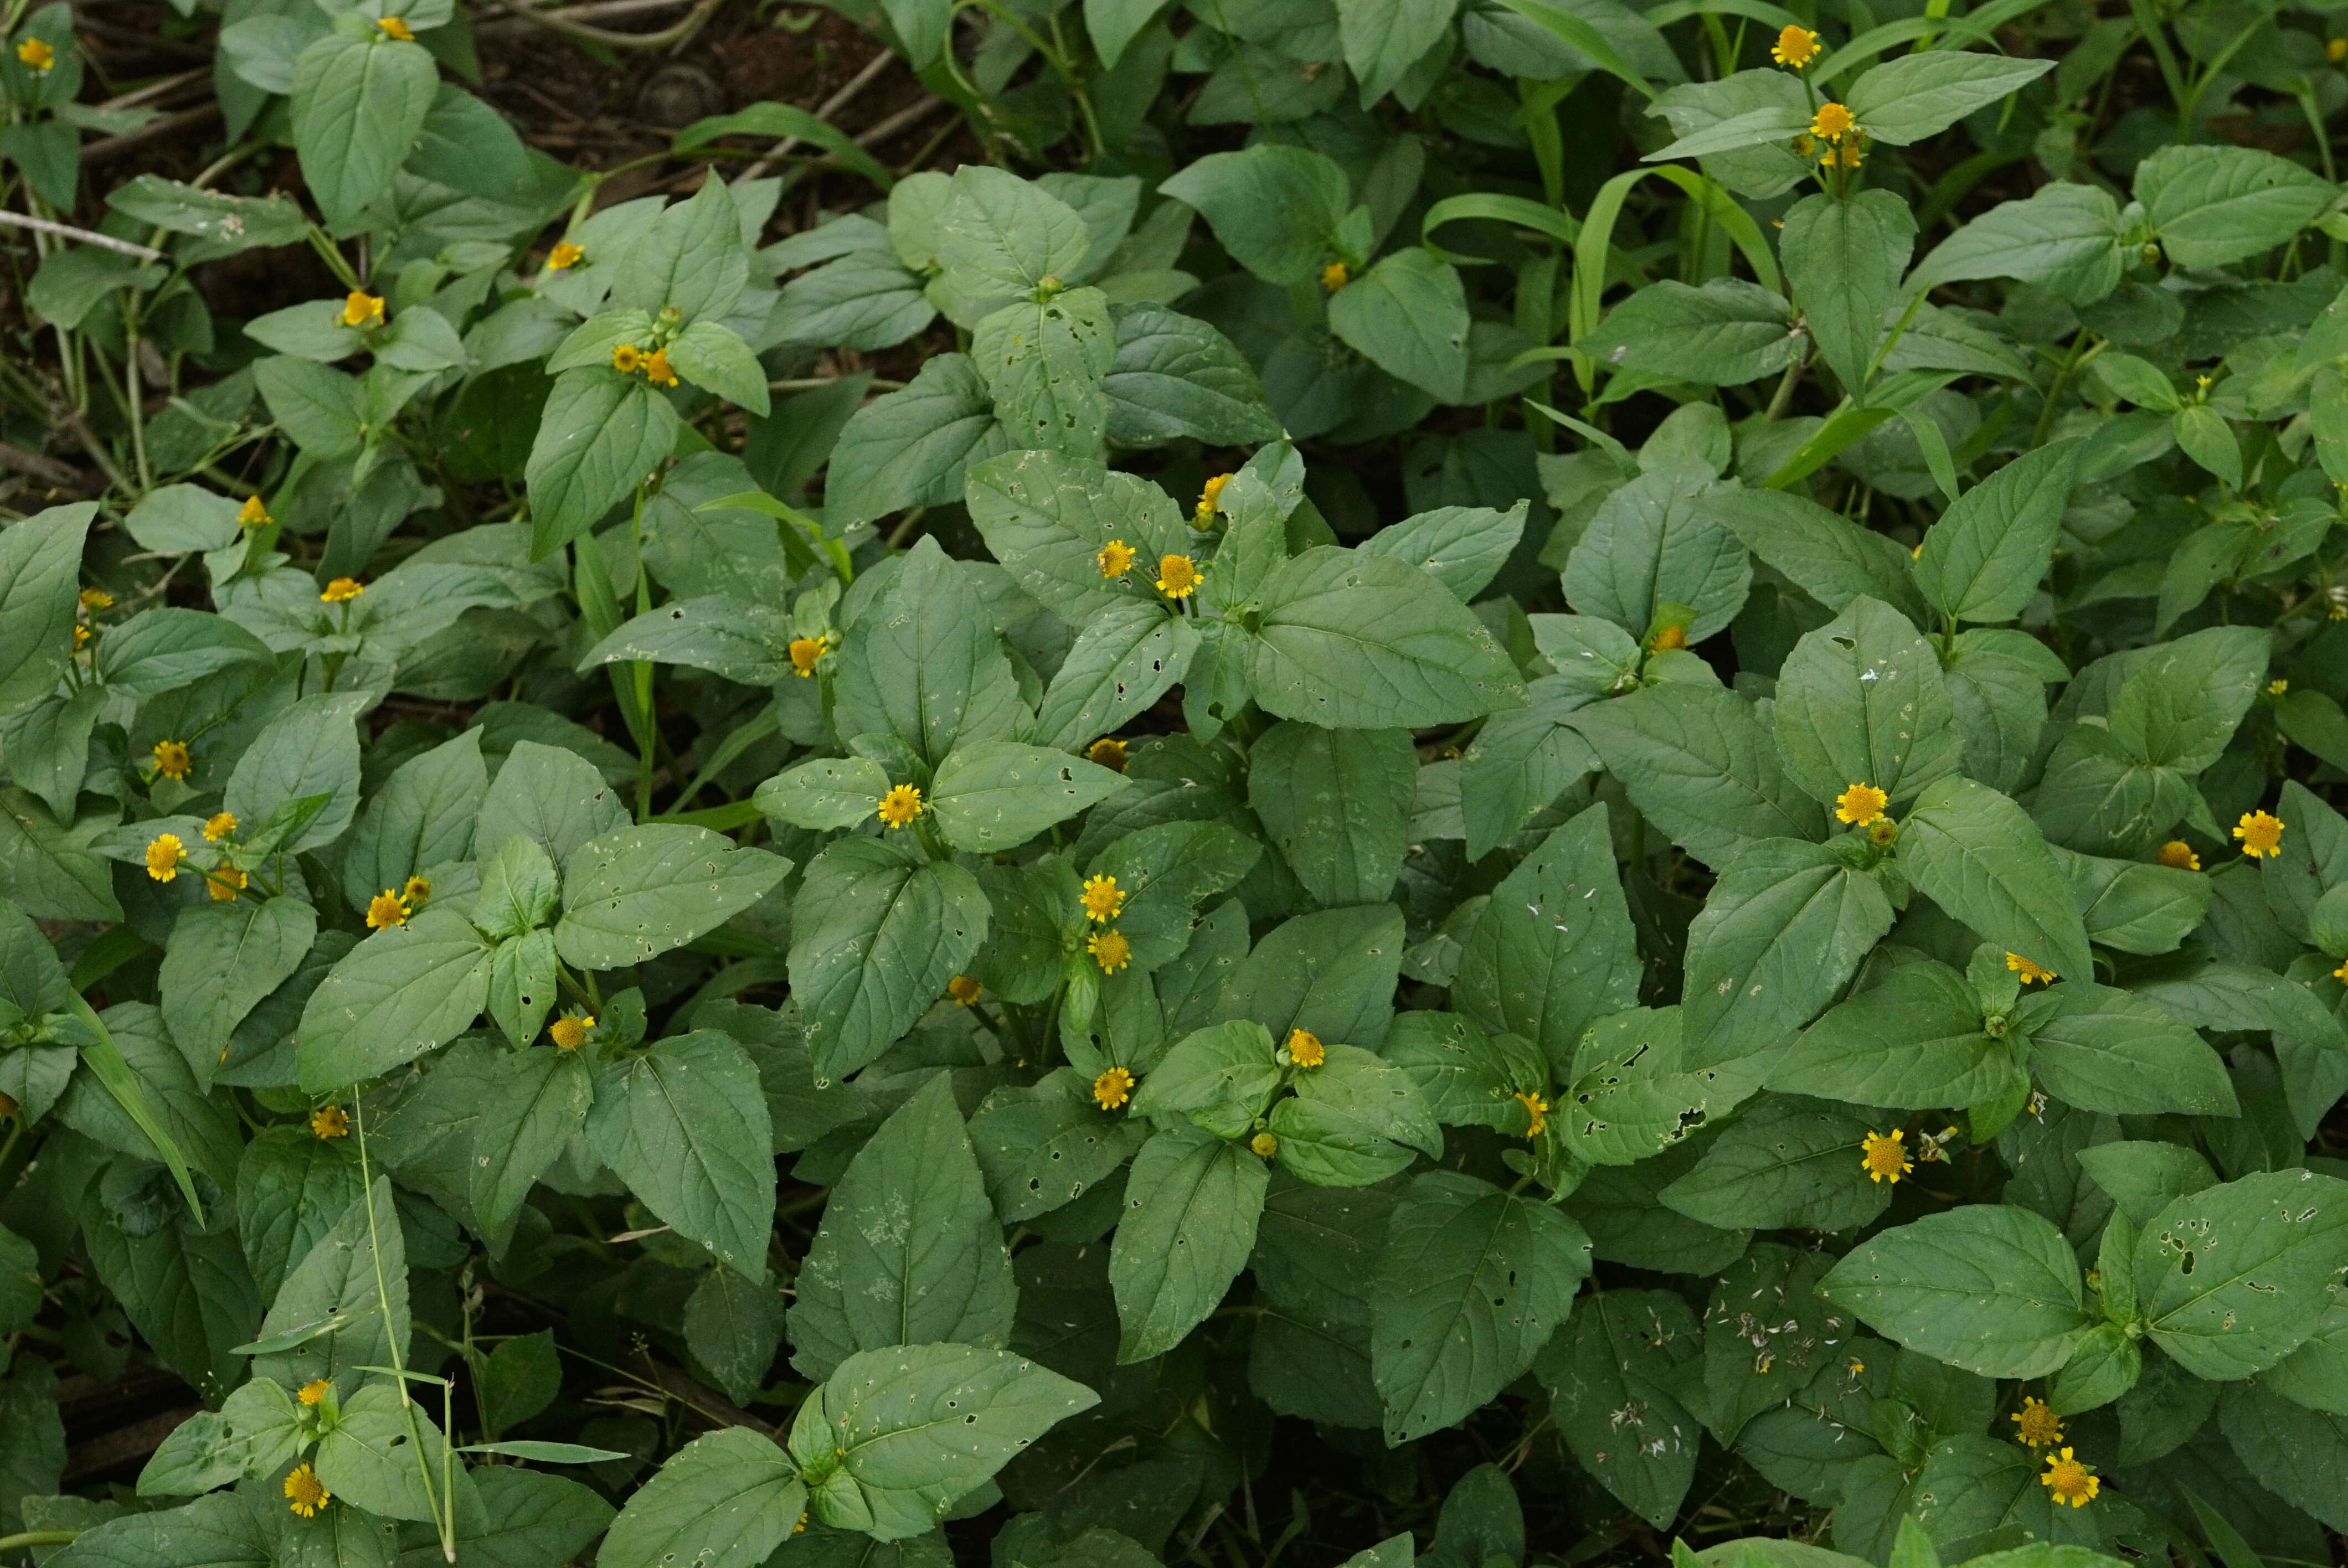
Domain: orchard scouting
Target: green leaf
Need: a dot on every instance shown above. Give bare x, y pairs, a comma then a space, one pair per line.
2104, 1049
1861, 699
1384, 38
1915, 1041
541, 1103
909, 1252
524, 1375
421, 817
925, 621
910, 447
2066, 237
1191, 1202
1221, 1078
895, 1437
1462, 548
2231, 1279
322, 411
1697, 762
1354, 1121
1000, 234
1554, 950
1337, 805
1826, 556
1357, 642
1655, 542
1408, 316
1275, 207
880, 931
690, 260
1844, 258
2182, 700
601, 435
1610, 1384
726, 1499
1786, 1161
147, 1101
1989, 1287
2212, 205
1048, 1144
1044, 362
1923, 93
746, 642
2295, 1452
715, 358
528, 1517
375, 1457
551, 797
1984, 558
359, 102
995, 796
824, 794
345, 1306
224, 1532
1626, 1097
1045, 518
1725, 334
685, 1125
310, 748
1176, 378
642, 891
1473, 1282
1124, 658
1782, 932
254, 1433
406, 990
221, 960
734, 1326
1981, 859
2143, 1178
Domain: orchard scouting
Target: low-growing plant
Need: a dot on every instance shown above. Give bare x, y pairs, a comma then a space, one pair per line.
1560, 775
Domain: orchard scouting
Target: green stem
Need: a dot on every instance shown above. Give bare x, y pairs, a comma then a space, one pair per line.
398, 1351
38, 1538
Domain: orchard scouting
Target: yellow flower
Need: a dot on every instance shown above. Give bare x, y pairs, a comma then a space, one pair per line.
37, 55
1110, 951
1178, 577
172, 759
305, 1492
1535, 1107
1883, 1158
1114, 559
570, 1031
393, 27
81, 638
253, 514
1796, 47
964, 989
1101, 898
806, 651
330, 1122
1304, 1048
1113, 1089
1108, 753
2072, 1480
2178, 855
1860, 804
224, 883
564, 257
2031, 974
1209, 495
1334, 277
1670, 637
1832, 122
386, 909
2261, 833
657, 370
219, 825
362, 310
163, 857
2336, 49
95, 598
901, 805
2341, 974
316, 1389
2041, 1427
2276, 688
1849, 156
626, 357
1883, 831
417, 892
1265, 1144
342, 590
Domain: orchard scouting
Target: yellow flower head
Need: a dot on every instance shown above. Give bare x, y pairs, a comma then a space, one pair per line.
2261, 833
81, 638
570, 1031
172, 759
1883, 1158
2072, 1480
36, 54
1113, 1089
1860, 804
1669, 638
657, 369
806, 651
1796, 47
1178, 577
964, 989
219, 825
564, 257
1334, 277
1850, 156
1535, 1107
1209, 495
1304, 1048
362, 310
1805, 146
95, 598
305, 1492
330, 1122
417, 892
1108, 753
2041, 1427
1265, 1144
2278, 688
224, 883
2178, 855
1102, 898
1114, 559
163, 857
253, 514
342, 590
901, 805
316, 1389
1110, 951
626, 358
1832, 122
386, 909
2341, 974
2336, 49
2031, 974
393, 27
